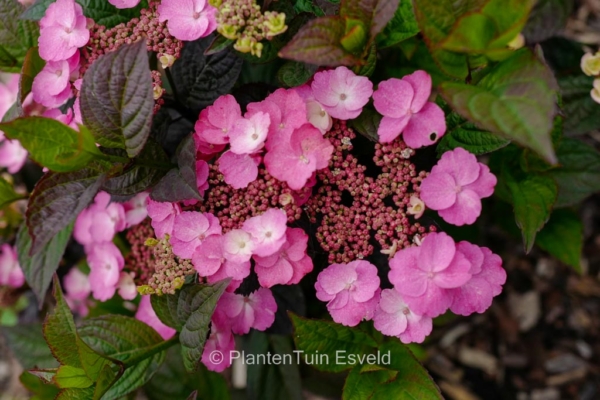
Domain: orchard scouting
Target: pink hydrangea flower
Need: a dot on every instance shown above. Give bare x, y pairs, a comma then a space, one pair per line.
12, 154
106, 263
126, 286
405, 109
202, 171
238, 246
62, 30
188, 19
393, 317
163, 216
124, 3
249, 134
255, 311
287, 112
350, 290
190, 229
287, 266
57, 114
341, 92
488, 276
456, 186
10, 271
146, 314
267, 230
315, 113
217, 120
77, 285
295, 161
135, 209
51, 86
100, 221
209, 260
423, 275
220, 339
238, 169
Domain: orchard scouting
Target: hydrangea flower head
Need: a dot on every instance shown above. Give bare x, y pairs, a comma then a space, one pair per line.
488, 277
341, 92
190, 228
51, 87
106, 263
393, 317
62, 30
238, 169
188, 19
163, 216
100, 221
267, 230
405, 109
10, 271
12, 154
423, 275
217, 120
350, 290
456, 186
255, 311
209, 260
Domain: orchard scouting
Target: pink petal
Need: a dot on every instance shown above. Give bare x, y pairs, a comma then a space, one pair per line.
484, 184
438, 190
238, 170
437, 252
425, 127
393, 98
461, 164
465, 211
421, 84
390, 128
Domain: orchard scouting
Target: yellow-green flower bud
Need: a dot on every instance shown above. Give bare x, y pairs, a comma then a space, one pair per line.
229, 31
275, 23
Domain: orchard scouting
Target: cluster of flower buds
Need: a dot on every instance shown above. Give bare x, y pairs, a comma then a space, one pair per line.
590, 65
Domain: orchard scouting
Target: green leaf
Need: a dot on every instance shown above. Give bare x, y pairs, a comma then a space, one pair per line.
219, 44
53, 144
39, 268
16, 36
515, 100
321, 342
165, 307
7, 193
579, 173
180, 184
198, 80
403, 25
42, 390
71, 377
116, 98
362, 382
461, 133
489, 29
28, 345
292, 73
532, 197
319, 42
76, 394
57, 199
129, 341
562, 237
308, 6
367, 124
582, 113
547, 18
355, 37
375, 14
32, 65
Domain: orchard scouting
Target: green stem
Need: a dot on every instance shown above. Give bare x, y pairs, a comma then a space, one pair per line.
157, 348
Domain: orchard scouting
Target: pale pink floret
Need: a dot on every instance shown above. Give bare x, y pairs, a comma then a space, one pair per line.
341, 92
289, 265
145, 313
126, 286
315, 113
267, 230
10, 271
488, 277
220, 339
124, 3
209, 261
423, 275
254, 311
77, 290
405, 109
393, 317
135, 209
163, 216
286, 111
190, 229
238, 245
106, 262
249, 134
217, 120
100, 221
456, 186
188, 19
62, 30
238, 169
350, 290
12, 154
294, 162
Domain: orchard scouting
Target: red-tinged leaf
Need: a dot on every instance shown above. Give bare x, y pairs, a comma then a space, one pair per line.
382, 14
319, 42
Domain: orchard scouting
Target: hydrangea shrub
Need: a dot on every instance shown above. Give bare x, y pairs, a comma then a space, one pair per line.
196, 178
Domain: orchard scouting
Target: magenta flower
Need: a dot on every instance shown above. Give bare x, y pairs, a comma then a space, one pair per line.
202, 172
423, 275
287, 112
77, 284
296, 161
238, 170
267, 230
10, 271
209, 260
124, 3
249, 134
190, 229
135, 209
488, 277
393, 317
188, 19
51, 86
220, 339
456, 186
405, 109
255, 311
163, 216
238, 246
106, 263
315, 113
350, 290
99, 222
146, 314
341, 92
12, 154
62, 30
126, 286
217, 120
287, 266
